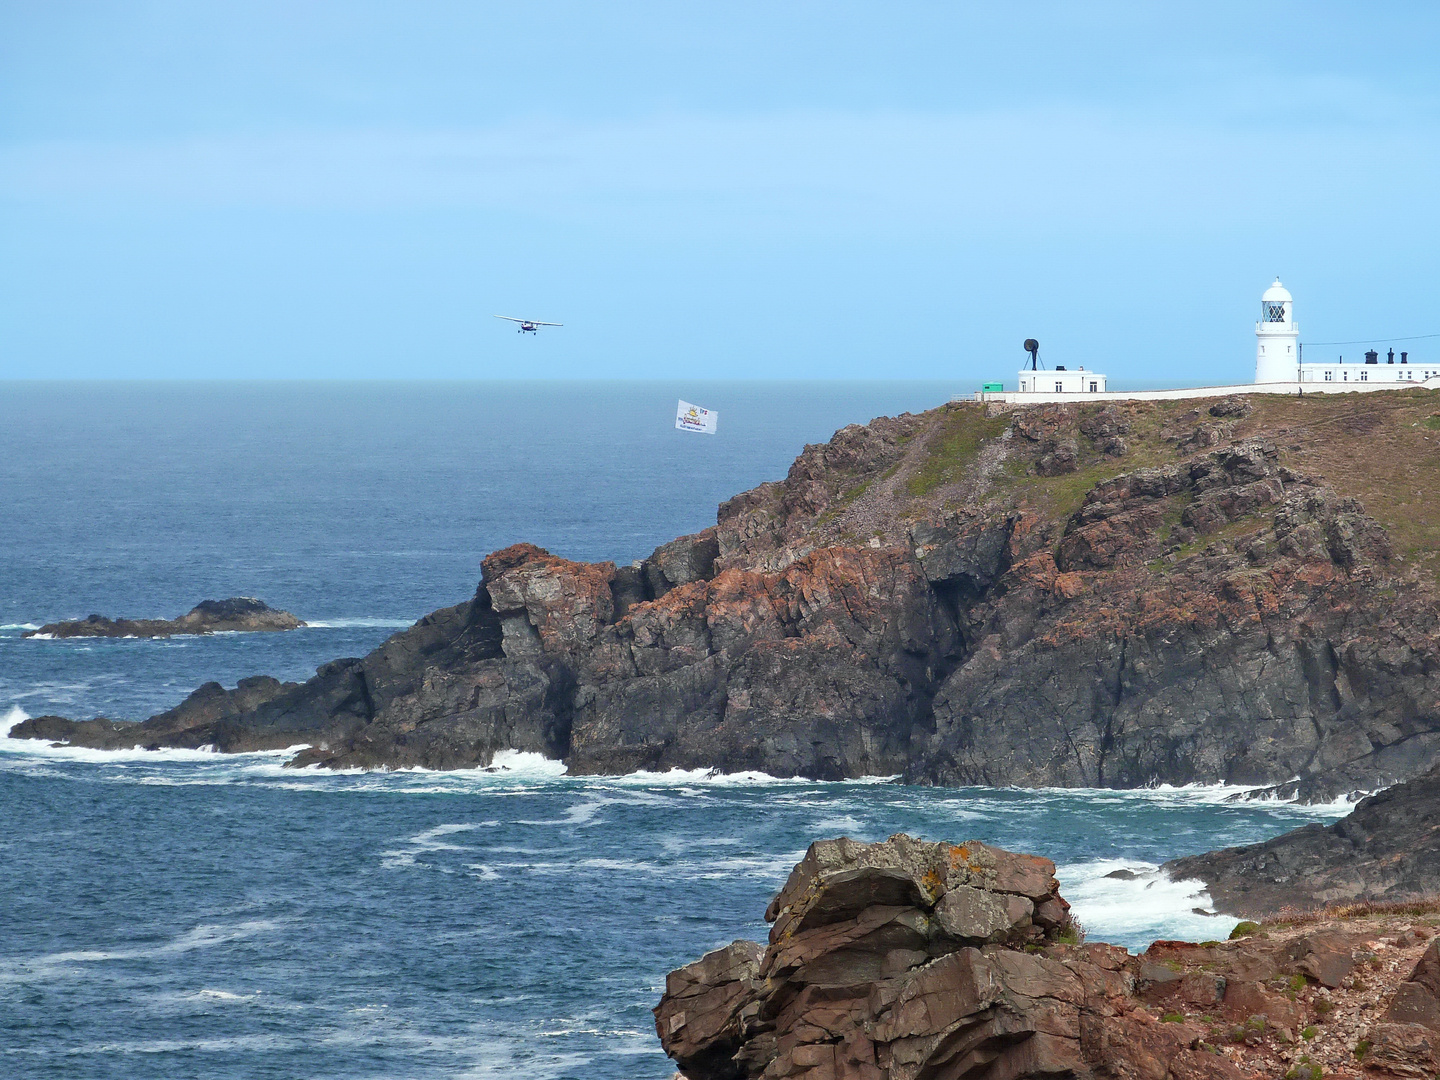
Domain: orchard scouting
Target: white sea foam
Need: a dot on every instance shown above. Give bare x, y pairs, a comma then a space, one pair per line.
426, 843
42, 748
359, 622
71, 963
839, 825
1138, 910
12, 716
584, 813
717, 778
524, 765
19, 626
1039, 800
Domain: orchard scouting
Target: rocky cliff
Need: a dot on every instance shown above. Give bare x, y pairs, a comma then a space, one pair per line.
1386, 850
238, 614
1079, 594
905, 960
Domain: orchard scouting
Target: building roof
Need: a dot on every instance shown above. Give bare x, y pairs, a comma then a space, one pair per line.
1277, 292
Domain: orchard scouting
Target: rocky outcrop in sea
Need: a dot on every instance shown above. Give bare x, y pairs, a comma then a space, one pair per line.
905, 960
1386, 850
238, 614
1093, 595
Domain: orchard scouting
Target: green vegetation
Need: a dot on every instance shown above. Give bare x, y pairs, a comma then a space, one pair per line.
1362, 1048
1071, 934
962, 431
1433, 421
1304, 1070
1173, 1018
1310, 1032
1244, 929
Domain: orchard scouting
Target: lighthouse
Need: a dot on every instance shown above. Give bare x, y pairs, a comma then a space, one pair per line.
1277, 344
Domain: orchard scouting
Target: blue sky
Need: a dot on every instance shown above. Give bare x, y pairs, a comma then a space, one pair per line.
832, 190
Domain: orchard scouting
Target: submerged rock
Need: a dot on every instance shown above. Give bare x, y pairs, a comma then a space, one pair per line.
239, 614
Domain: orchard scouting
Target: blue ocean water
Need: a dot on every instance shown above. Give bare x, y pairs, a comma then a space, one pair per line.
179, 914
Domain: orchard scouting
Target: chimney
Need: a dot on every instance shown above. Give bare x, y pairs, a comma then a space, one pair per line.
1372, 357
1404, 358
1392, 356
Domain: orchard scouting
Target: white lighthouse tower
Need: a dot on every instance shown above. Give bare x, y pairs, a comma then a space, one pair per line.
1277, 345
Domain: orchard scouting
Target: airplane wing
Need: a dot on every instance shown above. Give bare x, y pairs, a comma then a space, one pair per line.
530, 322
507, 318
537, 322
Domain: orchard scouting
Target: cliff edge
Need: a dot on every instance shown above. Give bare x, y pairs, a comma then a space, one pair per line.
1086, 594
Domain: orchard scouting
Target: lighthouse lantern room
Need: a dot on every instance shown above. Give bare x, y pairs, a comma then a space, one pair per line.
1277, 346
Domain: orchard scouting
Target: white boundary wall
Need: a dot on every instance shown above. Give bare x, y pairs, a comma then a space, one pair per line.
1014, 397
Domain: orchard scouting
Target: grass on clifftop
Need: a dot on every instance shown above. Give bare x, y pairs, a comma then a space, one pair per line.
951, 448
1381, 448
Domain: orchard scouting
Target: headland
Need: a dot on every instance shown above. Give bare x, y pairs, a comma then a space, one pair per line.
1091, 594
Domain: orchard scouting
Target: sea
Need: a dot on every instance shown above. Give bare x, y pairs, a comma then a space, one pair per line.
182, 914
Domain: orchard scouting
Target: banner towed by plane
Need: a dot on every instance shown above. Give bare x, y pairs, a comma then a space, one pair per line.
693, 418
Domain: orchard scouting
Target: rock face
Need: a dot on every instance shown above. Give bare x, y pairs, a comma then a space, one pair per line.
240, 614
905, 960
1387, 849
1407, 1043
1055, 595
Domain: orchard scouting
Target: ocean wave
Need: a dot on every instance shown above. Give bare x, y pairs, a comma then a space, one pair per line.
43, 748
19, 626
71, 963
1140, 907
719, 778
425, 843
359, 622
1179, 795
14, 715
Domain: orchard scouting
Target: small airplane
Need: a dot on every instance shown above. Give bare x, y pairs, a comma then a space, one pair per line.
528, 326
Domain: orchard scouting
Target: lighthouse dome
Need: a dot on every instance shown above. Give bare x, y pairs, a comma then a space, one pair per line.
1276, 293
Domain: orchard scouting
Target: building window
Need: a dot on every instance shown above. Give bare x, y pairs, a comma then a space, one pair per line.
1094, 387
1274, 312
1364, 376
1327, 376
1059, 388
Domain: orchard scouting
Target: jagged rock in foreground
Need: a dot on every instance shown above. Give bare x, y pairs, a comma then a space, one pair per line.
1098, 595
1386, 849
905, 960
238, 614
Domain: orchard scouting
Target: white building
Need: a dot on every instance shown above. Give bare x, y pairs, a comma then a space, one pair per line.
1061, 381
1279, 359
1277, 345
1280, 368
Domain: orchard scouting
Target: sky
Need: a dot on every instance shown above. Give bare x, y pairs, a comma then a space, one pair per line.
708, 190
